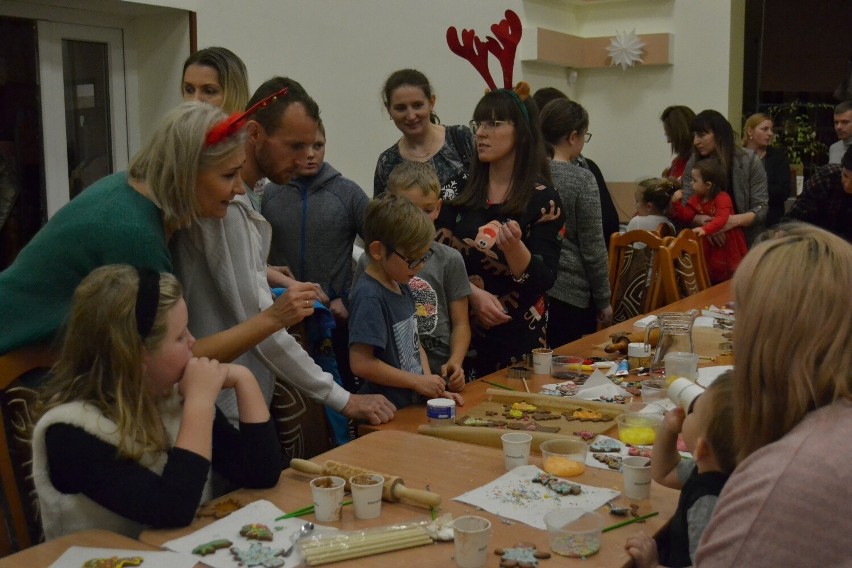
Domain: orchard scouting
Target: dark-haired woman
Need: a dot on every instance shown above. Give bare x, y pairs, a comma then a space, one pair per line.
410, 101
677, 126
714, 137
511, 258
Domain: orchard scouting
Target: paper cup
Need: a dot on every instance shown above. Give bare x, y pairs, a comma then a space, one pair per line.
637, 477
542, 358
683, 393
367, 495
471, 535
327, 493
516, 449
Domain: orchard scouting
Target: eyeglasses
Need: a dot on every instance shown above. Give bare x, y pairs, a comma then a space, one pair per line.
587, 136
486, 125
413, 263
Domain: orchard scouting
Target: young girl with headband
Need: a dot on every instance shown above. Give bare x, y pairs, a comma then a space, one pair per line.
653, 197
128, 430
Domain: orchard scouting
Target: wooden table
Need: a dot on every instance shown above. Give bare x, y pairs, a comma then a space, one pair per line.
448, 468
410, 418
46, 553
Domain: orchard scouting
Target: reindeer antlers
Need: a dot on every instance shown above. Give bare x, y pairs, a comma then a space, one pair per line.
508, 32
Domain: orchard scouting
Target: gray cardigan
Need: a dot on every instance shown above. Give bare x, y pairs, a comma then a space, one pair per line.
583, 266
750, 191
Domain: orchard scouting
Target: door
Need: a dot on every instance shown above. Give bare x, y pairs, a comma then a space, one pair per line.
84, 117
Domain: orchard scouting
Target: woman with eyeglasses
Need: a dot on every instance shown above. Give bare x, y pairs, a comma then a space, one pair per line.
581, 298
410, 102
511, 256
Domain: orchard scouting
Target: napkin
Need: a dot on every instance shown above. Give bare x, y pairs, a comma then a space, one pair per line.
644, 322
76, 556
516, 497
598, 385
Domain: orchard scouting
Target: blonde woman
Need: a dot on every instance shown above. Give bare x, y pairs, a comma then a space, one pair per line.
787, 502
128, 430
757, 137
216, 76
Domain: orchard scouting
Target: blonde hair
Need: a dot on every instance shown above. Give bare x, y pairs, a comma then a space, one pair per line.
398, 223
793, 332
107, 372
233, 77
752, 122
657, 192
171, 160
414, 175
719, 430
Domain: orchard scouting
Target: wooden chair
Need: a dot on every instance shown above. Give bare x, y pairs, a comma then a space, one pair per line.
16, 403
683, 270
634, 274
666, 229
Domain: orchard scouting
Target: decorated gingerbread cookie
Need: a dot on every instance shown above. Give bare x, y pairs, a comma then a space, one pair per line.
211, 547
256, 531
114, 562
220, 509
522, 555
605, 445
259, 555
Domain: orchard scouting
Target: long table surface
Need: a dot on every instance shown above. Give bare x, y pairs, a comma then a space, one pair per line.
410, 418
448, 468
47, 553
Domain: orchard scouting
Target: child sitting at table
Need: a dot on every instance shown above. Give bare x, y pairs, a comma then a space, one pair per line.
384, 349
441, 289
709, 197
128, 425
708, 432
652, 202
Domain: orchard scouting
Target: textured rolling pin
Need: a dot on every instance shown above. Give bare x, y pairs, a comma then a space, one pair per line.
394, 488
619, 341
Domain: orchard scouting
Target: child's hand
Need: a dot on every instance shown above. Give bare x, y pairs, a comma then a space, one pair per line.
236, 374
699, 231
454, 376
673, 420
487, 308
509, 235
677, 195
454, 396
643, 549
338, 310
430, 386
202, 380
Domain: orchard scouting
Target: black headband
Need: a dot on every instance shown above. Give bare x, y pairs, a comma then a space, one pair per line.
147, 300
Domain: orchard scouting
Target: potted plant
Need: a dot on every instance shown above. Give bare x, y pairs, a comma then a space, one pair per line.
795, 133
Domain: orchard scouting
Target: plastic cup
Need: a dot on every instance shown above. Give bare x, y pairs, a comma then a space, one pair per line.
638, 428
574, 532
542, 357
636, 471
564, 458
654, 390
471, 535
367, 495
681, 365
327, 493
516, 449
565, 366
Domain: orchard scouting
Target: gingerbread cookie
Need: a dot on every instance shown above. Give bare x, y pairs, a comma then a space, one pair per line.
256, 531
114, 562
211, 547
259, 555
220, 509
521, 555
560, 486
612, 461
605, 445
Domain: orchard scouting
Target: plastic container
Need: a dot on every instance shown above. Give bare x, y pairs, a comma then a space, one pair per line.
573, 532
638, 428
654, 390
564, 458
638, 355
441, 411
566, 366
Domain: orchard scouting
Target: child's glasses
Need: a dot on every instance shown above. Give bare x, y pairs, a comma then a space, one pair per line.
413, 263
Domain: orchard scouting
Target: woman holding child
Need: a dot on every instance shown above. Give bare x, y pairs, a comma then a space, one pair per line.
511, 258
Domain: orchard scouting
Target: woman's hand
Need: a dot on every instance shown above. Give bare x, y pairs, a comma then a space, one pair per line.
487, 308
202, 380
605, 316
643, 549
296, 304
509, 236
550, 215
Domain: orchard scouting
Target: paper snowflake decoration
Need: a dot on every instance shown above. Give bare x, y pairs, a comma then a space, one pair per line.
625, 49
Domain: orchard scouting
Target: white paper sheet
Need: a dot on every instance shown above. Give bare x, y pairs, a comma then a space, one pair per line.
76, 556
516, 497
229, 528
644, 322
706, 375
597, 385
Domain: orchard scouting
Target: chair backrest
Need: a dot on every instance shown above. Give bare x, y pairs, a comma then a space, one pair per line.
16, 403
683, 271
634, 273
666, 229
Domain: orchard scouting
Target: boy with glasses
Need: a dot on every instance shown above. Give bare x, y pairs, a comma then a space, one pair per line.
384, 348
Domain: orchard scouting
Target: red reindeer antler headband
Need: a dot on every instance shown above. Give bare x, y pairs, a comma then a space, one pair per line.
508, 35
227, 127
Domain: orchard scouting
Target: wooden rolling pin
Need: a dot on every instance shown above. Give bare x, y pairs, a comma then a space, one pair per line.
618, 341
394, 487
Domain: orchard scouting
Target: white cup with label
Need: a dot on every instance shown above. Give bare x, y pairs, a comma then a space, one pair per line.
327, 492
516, 449
471, 535
542, 358
367, 495
636, 471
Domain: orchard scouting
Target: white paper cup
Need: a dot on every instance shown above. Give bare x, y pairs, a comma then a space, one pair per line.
637, 477
542, 359
367, 495
327, 492
516, 449
681, 365
471, 535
